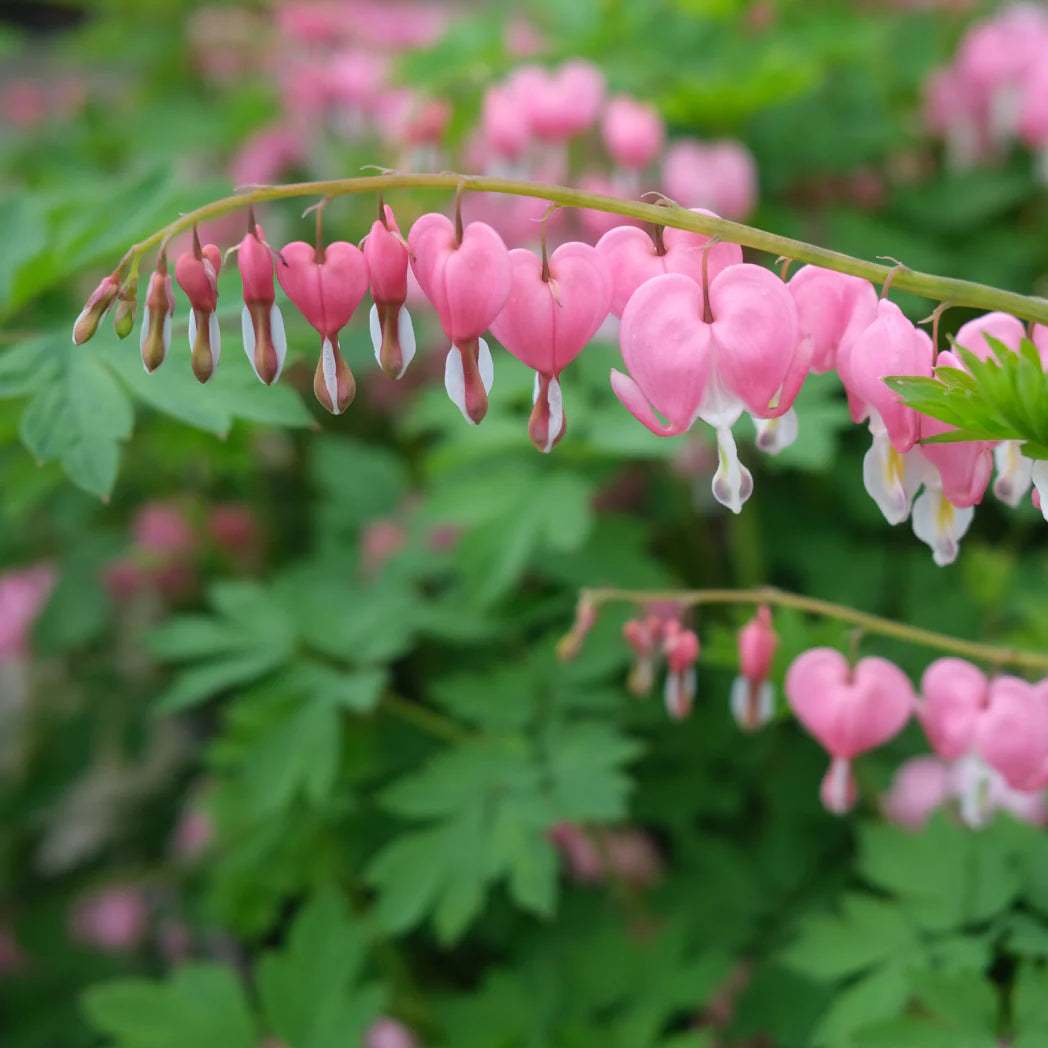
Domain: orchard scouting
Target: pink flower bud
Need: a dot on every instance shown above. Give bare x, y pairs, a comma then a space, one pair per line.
99, 303
156, 318
392, 333
681, 648
126, 307
752, 699
261, 323
197, 276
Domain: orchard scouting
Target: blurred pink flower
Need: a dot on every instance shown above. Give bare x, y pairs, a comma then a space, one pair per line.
114, 919
266, 155
23, 595
11, 956
721, 176
389, 1033
193, 832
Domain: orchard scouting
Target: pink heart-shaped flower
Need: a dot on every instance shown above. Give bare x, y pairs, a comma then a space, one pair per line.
546, 323
849, 711
325, 292
954, 694
466, 282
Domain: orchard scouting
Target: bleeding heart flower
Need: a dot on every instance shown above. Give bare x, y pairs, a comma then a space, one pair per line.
633, 258
848, 710
693, 357
752, 696
392, 333
156, 318
633, 131
261, 322
466, 276
551, 313
327, 288
197, 276
832, 309
1003, 720
890, 345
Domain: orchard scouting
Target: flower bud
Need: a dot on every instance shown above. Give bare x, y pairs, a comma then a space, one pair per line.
681, 647
752, 697
156, 318
126, 307
102, 298
197, 276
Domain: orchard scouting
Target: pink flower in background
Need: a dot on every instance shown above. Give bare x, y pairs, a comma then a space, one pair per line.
193, 832
593, 856
11, 956
114, 919
379, 542
23, 595
389, 1033
721, 176
266, 155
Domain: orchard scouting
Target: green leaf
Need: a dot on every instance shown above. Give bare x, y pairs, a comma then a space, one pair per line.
309, 990
201, 1005
865, 932
78, 416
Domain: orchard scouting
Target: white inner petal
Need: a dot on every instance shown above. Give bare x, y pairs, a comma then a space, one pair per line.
375, 327
215, 334
276, 333
1013, 472
940, 524
555, 399
486, 365
733, 482
891, 478
192, 328
455, 381
774, 434
247, 333
327, 357
406, 332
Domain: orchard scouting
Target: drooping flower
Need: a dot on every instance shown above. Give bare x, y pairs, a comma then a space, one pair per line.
197, 276
681, 648
752, 696
465, 274
392, 333
849, 710
893, 469
327, 285
552, 312
691, 355
156, 317
261, 322
98, 304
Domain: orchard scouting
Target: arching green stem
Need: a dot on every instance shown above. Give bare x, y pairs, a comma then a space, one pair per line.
942, 289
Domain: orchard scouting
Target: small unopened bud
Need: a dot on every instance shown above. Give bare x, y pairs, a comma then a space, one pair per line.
156, 318
570, 645
96, 307
681, 647
197, 276
752, 697
643, 636
126, 308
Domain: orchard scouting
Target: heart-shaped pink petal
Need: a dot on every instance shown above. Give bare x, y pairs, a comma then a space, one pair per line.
546, 323
848, 710
468, 282
755, 330
667, 348
954, 694
1012, 734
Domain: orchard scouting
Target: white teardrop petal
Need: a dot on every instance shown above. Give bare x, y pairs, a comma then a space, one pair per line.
375, 327
276, 333
733, 482
330, 372
485, 365
192, 328
406, 333
247, 333
455, 381
215, 334
555, 399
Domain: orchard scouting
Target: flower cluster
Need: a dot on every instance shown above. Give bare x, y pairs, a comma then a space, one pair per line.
995, 92
989, 734
994, 731
704, 336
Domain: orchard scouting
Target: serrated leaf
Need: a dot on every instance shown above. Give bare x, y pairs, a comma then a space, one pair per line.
201, 1005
